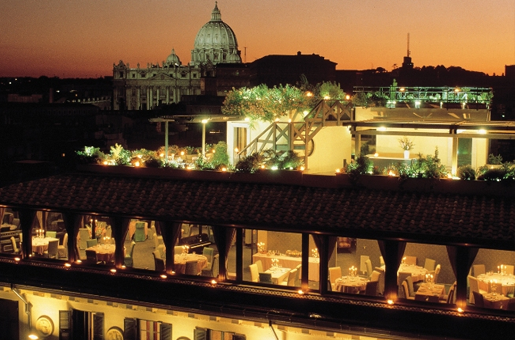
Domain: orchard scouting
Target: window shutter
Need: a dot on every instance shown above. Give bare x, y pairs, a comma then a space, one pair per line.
98, 326
64, 324
166, 331
130, 331
200, 334
239, 337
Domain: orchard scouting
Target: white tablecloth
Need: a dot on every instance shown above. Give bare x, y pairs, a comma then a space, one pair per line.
105, 252
495, 301
39, 245
350, 284
506, 281
278, 274
428, 292
290, 262
417, 273
181, 259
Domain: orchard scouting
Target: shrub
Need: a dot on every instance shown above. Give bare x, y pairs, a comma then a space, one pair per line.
220, 156
249, 164
495, 160
466, 172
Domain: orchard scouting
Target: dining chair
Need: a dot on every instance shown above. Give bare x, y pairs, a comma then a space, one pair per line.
479, 301
192, 267
371, 288
410, 260
209, 269
52, 234
380, 285
139, 233
509, 269
429, 264
62, 249
290, 280
375, 276
479, 269
186, 230
159, 264
401, 276
260, 266
474, 287
91, 256
298, 278
411, 289
381, 260
254, 273
368, 264
405, 291
436, 273
208, 253
52, 251
265, 278
177, 250
16, 250
334, 273
162, 251
128, 260
91, 243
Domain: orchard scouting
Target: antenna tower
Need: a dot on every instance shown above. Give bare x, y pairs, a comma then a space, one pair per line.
408, 47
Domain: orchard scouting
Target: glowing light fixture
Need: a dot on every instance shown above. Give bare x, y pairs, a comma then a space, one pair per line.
213, 282
67, 265
163, 276
113, 270
390, 301
33, 336
482, 131
381, 128
300, 292
327, 97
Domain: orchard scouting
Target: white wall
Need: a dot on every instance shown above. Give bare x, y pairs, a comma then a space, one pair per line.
331, 146
183, 323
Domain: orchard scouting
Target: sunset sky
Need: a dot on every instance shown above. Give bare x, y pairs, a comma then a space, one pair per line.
83, 38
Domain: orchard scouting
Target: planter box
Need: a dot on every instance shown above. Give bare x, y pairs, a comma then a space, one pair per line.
444, 186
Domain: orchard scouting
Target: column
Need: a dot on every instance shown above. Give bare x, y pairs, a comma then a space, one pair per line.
158, 95
128, 93
168, 95
138, 98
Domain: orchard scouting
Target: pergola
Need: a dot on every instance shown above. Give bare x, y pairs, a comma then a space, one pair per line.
456, 130
191, 119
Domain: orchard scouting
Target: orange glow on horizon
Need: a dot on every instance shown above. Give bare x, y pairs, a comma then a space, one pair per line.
87, 37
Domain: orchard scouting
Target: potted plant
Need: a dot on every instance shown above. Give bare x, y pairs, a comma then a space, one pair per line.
406, 145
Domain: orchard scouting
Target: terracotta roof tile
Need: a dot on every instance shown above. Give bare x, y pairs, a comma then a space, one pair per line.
362, 212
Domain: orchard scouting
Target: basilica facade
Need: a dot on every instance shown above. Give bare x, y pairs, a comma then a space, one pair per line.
144, 88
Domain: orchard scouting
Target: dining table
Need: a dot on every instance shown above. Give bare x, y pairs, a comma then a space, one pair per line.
430, 292
504, 284
417, 273
181, 259
105, 252
495, 301
40, 244
290, 262
279, 274
350, 284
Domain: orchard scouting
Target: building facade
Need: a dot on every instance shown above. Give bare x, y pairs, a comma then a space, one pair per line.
144, 88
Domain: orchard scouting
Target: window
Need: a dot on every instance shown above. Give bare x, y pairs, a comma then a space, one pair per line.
137, 329
272, 257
